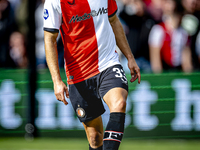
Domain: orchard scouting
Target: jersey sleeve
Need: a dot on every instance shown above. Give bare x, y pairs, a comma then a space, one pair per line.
156, 36
112, 8
52, 15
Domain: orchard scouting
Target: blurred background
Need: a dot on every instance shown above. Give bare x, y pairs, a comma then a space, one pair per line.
163, 112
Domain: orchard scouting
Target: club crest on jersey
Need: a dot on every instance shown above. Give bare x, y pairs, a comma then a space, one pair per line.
46, 14
86, 16
80, 112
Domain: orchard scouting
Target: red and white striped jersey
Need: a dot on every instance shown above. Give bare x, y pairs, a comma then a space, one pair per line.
89, 41
171, 44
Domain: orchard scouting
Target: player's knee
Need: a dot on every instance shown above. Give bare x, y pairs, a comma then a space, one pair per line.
120, 105
96, 139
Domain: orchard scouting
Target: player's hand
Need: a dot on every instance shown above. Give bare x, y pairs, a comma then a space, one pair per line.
60, 90
134, 69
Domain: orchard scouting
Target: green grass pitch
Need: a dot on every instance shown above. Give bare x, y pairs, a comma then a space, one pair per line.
82, 144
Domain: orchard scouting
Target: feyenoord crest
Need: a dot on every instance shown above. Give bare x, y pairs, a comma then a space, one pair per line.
80, 112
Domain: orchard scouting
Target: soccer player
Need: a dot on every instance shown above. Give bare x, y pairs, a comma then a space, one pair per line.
90, 30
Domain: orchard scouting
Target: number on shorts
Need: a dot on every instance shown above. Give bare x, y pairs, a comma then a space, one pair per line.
120, 74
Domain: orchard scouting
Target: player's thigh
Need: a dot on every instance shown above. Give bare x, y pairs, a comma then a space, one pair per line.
94, 130
114, 88
116, 99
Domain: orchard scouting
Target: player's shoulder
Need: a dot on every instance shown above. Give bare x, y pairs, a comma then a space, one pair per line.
55, 4
52, 1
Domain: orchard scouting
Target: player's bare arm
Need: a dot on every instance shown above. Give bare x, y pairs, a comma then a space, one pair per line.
155, 59
187, 60
124, 47
52, 61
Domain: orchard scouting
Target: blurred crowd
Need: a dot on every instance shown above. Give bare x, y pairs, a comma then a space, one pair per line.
164, 35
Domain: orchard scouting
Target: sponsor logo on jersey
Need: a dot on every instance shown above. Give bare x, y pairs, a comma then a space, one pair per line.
46, 14
86, 16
